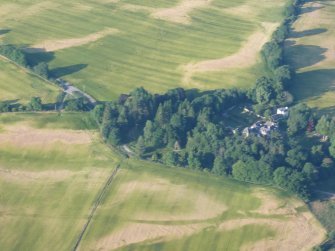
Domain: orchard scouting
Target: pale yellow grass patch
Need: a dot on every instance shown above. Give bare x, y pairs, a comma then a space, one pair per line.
297, 232
19, 176
181, 12
246, 57
19, 12
177, 14
137, 8
311, 19
241, 10
108, 1
138, 232
25, 136
55, 45
315, 19
272, 205
82, 7
294, 231
252, 8
203, 206
301, 232
92, 177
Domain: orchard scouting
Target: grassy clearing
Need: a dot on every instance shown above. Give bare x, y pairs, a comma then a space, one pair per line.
147, 51
311, 51
155, 208
17, 84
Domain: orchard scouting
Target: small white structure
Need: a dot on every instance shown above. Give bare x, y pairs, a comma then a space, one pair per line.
282, 111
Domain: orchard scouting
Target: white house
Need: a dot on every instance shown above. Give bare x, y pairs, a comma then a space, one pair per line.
282, 111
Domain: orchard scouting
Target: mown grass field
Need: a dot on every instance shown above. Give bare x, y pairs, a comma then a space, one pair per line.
144, 50
311, 51
150, 207
17, 84
52, 168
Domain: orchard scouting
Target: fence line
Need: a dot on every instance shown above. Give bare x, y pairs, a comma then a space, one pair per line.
97, 202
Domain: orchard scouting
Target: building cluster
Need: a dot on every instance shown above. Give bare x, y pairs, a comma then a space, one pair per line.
261, 128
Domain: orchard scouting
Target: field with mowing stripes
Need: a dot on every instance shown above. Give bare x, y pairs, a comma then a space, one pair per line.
55, 169
311, 51
49, 177
110, 47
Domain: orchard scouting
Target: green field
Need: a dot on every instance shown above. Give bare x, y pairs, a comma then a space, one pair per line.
145, 50
54, 165
157, 208
311, 51
48, 185
54, 170
17, 84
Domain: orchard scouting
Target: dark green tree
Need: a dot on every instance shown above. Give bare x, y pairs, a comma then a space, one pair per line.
298, 118
171, 158
220, 167
140, 147
35, 104
42, 69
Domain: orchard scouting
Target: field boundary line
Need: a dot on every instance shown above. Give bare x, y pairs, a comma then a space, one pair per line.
95, 205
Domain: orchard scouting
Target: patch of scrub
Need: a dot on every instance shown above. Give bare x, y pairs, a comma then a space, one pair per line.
246, 57
55, 45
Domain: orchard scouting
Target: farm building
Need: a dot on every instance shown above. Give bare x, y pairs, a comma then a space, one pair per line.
283, 111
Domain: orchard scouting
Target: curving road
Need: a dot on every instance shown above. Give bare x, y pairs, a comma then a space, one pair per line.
71, 90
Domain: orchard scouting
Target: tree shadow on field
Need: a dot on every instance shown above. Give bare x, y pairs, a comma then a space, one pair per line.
311, 85
34, 58
305, 10
327, 111
301, 56
67, 70
306, 33
4, 31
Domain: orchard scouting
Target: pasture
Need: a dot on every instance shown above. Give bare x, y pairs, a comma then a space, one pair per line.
110, 47
150, 207
49, 178
311, 51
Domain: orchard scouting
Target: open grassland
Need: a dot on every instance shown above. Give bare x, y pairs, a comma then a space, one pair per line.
49, 179
113, 46
154, 208
17, 84
311, 50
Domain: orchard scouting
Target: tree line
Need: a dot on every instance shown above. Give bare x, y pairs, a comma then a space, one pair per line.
73, 104
17, 55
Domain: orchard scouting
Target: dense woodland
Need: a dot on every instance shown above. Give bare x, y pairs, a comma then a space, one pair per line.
192, 132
